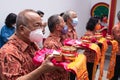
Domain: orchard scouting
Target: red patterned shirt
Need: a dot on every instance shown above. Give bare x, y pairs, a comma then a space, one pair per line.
70, 34
16, 58
54, 42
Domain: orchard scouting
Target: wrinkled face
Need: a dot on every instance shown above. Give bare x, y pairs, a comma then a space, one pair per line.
73, 15
61, 25
34, 22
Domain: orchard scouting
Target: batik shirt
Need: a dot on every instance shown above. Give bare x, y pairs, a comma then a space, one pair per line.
70, 34
16, 58
54, 42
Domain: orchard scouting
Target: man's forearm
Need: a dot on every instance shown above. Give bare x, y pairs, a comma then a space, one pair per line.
34, 75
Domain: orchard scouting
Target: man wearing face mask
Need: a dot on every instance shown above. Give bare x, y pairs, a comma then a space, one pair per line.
57, 28
16, 55
37, 37
70, 17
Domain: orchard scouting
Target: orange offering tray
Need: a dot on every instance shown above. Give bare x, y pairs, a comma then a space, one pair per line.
69, 53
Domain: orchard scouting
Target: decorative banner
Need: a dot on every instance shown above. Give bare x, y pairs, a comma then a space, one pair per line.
100, 9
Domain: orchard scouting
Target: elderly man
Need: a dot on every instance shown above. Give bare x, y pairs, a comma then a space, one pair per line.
57, 27
70, 17
116, 35
16, 55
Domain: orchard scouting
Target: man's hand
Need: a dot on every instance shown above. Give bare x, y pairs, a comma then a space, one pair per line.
47, 65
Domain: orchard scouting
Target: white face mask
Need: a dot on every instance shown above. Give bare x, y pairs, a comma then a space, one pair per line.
74, 22
36, 36
14, 25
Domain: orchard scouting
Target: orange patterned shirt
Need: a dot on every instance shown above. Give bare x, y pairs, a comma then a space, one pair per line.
55, 42
70, 34
16, 58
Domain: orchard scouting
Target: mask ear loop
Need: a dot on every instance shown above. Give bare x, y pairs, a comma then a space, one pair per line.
25, 26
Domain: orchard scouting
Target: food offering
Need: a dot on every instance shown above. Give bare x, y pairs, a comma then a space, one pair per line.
69, 53
109, 37
87, 39
72, 42
98, 36
58, 56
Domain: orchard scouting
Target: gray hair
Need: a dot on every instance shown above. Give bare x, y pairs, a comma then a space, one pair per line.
52, 22
67, 15
118, 15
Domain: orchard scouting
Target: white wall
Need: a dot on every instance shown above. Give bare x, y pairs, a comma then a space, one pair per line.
117, 9
82, 7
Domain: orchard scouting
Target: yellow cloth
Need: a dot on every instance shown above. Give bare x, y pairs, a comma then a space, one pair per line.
96, 48
102, 41
79, 66
81, 70
112, 63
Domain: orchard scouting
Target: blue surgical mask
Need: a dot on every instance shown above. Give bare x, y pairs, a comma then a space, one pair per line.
74, 22
65, 29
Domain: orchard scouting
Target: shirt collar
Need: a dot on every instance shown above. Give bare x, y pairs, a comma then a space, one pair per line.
58, 37
70, 30
21, 44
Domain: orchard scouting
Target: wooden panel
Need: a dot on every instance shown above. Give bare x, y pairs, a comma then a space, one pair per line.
112, 15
